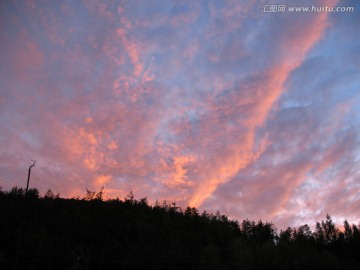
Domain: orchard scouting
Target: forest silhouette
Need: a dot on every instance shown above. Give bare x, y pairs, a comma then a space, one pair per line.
50, 232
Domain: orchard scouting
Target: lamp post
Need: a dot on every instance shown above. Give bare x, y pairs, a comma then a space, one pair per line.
28, 179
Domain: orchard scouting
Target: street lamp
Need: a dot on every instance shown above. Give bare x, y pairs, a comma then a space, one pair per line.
28, 179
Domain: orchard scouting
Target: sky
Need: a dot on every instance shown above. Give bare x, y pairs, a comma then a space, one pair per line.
218, 105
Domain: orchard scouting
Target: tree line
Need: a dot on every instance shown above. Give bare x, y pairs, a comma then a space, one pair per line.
50, 232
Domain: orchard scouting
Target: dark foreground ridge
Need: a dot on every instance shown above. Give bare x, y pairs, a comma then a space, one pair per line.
53, 233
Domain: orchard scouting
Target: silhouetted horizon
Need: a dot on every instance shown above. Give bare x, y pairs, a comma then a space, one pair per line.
50, 232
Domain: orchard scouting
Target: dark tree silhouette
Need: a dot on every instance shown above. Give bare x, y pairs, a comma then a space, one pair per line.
48, 232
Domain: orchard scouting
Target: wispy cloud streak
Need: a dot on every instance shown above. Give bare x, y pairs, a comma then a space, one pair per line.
210, 104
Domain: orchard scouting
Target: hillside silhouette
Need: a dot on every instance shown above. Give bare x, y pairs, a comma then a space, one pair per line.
49, 232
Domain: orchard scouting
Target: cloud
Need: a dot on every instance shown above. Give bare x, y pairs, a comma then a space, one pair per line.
23, 59
309, 166
213, 105
253, 99
132, 50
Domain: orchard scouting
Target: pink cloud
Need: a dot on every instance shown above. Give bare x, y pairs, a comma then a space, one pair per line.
257, 105
133, 52
180, 104
185, 19
24, 57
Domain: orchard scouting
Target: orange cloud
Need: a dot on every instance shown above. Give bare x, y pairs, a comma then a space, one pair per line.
183, 103
176, 174
132, 50
262, 99
102, 180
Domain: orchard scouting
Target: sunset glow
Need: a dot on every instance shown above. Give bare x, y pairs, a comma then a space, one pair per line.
212, 104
